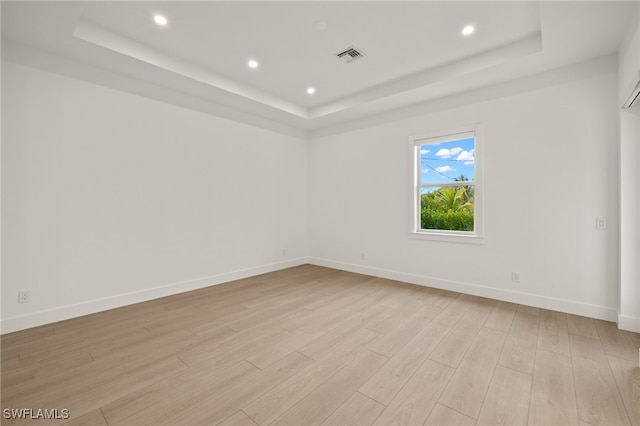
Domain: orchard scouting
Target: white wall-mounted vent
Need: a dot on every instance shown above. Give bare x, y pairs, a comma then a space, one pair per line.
350, 54
634, 93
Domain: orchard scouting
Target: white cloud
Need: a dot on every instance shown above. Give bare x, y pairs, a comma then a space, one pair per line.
444, 153
424, 151
448, 153
425, 170
445, 169
466, 156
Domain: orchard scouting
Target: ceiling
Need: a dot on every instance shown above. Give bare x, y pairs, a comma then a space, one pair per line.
413, 51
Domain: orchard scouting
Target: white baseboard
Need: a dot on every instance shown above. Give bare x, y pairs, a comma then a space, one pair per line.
560, 305
34, 319
625, 322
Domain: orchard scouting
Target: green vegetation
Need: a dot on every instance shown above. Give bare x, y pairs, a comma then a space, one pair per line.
449, 208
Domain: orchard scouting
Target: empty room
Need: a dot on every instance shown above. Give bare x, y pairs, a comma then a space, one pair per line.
320, 213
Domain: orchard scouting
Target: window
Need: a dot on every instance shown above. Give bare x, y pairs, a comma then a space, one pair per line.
446, 192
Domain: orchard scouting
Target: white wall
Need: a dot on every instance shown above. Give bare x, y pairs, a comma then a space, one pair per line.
629, 67
110, 198
629, 307
629, 55
550, 168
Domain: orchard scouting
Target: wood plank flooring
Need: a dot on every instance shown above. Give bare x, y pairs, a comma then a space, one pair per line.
317, 346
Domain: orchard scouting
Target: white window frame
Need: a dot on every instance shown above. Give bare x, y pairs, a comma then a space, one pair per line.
415, 141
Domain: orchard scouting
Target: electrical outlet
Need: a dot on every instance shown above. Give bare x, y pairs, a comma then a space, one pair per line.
24, 296
601, 223
362, 256
515, 277
284, 252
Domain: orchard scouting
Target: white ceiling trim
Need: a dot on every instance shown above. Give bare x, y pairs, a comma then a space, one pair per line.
72, 68
124, 50
486, 59
592, 68
97, 35
102, 37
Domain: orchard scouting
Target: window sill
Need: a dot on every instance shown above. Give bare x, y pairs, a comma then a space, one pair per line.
447, 237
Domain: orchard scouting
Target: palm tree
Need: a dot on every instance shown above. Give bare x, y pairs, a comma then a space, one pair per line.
469, 190
453, 199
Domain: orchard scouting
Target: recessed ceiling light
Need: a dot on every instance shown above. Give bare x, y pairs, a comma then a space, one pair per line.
160, 20
311, 90
468, 30
252, 63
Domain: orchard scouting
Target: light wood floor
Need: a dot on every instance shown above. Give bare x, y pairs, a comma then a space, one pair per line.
311, 345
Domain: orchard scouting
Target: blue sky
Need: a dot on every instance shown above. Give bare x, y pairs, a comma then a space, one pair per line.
442, 162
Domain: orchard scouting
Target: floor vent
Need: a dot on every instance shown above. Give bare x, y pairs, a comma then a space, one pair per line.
350, 54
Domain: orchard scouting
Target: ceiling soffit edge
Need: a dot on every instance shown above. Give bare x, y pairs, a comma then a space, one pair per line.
97, 35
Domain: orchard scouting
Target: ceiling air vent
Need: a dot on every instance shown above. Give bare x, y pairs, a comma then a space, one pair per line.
350, 54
